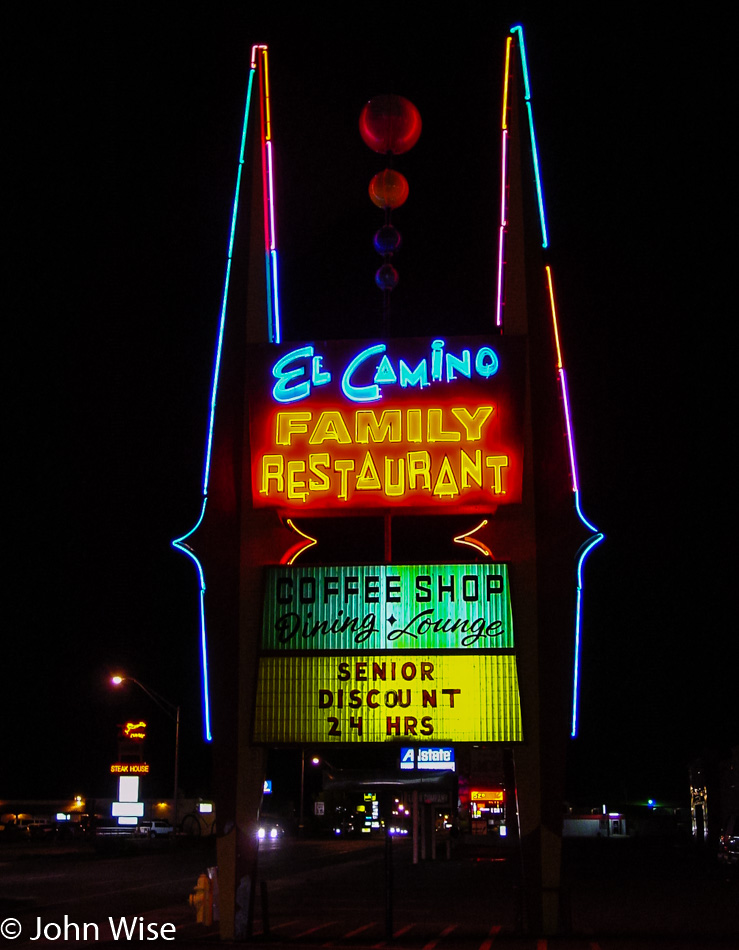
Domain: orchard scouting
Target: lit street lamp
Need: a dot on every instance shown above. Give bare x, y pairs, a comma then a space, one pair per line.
315, 760
322, 760
173, 712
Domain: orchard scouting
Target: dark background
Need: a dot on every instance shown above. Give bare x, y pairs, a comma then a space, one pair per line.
123, 125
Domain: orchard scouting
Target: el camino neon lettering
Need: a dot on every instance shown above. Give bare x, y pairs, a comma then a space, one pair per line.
361, 381
363, 393
287, 388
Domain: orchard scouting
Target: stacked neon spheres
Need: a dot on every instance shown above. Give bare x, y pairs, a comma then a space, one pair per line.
389, 125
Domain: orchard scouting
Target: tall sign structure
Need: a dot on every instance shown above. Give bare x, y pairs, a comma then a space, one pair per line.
483, 649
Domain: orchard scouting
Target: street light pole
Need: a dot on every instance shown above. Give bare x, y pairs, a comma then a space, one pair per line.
176, 768
301, 813
173, 712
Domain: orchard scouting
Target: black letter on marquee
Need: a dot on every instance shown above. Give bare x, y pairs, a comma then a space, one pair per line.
286, 584
469, 579
494, 585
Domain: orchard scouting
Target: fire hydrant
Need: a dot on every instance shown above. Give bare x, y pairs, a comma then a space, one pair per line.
202, 900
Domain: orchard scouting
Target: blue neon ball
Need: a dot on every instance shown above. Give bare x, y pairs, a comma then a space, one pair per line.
386, 277
387, 240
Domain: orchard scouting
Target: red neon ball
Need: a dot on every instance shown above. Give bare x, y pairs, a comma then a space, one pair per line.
390, 124
388, 189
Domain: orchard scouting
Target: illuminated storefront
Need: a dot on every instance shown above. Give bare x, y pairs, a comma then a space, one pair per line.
488, 811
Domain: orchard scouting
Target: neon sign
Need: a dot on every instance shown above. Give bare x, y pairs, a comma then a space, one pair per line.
135, 730
417, 423
300, 368
381, 698
382, 607
597, 536
432, 759
487, 795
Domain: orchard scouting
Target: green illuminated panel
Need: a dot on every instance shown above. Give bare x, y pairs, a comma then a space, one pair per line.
387, 697
388, 607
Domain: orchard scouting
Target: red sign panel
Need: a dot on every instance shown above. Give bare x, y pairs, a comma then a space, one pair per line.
409, 423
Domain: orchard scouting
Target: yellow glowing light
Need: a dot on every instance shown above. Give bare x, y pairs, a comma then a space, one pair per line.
268, 116
135, 730
548, 269
383, 476
509, 41
293, 553
377, 698
486, 795
473, 542
333, 425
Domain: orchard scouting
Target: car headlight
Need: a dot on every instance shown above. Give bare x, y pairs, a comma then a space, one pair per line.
273, 833
261, 833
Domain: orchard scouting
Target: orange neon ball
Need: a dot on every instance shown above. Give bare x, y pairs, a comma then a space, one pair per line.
388, 189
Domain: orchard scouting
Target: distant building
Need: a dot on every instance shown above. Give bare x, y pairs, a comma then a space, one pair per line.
608, 825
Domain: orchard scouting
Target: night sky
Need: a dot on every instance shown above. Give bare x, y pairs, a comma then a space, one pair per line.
125, 127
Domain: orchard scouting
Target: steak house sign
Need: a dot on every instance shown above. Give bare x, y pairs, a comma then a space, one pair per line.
353, 424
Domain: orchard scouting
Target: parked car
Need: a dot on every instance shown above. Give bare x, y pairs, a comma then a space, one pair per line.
156, 828
728, 843
15, 831
44, 829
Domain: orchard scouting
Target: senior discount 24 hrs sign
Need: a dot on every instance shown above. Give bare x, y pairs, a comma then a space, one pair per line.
387, 697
